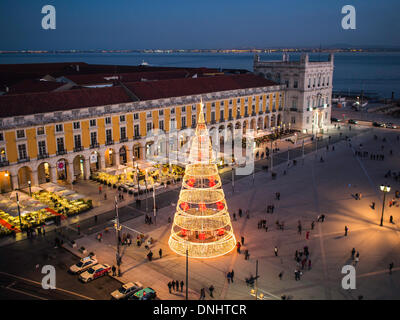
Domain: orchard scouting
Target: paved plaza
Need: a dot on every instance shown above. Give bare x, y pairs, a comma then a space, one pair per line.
308, 189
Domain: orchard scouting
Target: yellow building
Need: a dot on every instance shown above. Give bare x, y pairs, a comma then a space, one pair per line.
66, 135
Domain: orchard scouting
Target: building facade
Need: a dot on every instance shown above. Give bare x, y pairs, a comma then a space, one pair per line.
308, 87
45, 137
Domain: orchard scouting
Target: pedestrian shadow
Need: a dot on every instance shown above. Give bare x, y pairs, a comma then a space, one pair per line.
339, 237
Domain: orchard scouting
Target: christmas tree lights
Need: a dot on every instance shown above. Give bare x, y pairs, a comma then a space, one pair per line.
202, 224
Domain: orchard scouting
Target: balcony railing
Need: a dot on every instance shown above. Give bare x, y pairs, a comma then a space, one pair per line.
4, 163
125, 139
238, 116
246, 114
109, 142
21, 160
230, 118
212, 121
78, 148
260, 112
253, 114
136, 137
94, 145
43, 155
274, 110
293, 109
61, 152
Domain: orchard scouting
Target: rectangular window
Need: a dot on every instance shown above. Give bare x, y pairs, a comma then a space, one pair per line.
221, 115
149, 114
194, 108
183, 109
136, 116
213, 104
77, 125
20, 134
1, 136
42, 148
238, 100
3, 156
108, 120
213, 116
308, 120
40, 131
295, 84
77, 141
59, 127
93, 138
222, 103
161, 125
149, 126
60, 144
136, 130
287, 83
230, 113
183, 122
22, 152
161, 112
172, 110
293, 120
193, 120
108, 136
123, 132
230, 102
122, 118
93, 122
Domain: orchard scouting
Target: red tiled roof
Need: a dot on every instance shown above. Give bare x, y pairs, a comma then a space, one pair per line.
184, 87
30, 85
33, 103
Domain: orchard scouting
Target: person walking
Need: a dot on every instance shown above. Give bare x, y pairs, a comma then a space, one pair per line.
312, 225
242, 240
307, 235
232, 274
246, 254
240, 212
373, 205
182, 283
391, 220
238, 245
345, 231
113, 269
211, 289
160, 253
280, 275
276, 251
173, 285
202, 294
353, 252
391, 267
177, 285
99, 189
228, 277
95, 219
169, 286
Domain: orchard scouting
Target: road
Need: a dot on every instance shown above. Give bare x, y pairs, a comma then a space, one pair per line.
20, 273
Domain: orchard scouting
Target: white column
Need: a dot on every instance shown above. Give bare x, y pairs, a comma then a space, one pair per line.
86, 172
14, 181
35, 180
70, 172
53, 174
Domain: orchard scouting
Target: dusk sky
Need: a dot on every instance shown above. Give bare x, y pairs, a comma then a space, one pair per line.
184, 24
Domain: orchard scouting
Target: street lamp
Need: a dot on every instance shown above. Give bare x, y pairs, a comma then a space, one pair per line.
385, 189
30, 190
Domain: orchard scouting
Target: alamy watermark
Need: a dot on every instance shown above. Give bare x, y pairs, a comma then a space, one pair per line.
49, 20
349, 20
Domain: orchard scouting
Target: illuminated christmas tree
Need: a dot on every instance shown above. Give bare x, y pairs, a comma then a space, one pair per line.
202, 224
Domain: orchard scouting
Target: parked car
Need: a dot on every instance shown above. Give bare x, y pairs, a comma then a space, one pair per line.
335, 120
95, 272
126, 290
390, 125
83, 264
377, 124
351, 121
144, 294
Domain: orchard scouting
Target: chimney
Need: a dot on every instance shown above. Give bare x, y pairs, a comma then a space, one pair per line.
331, 58
304, 58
